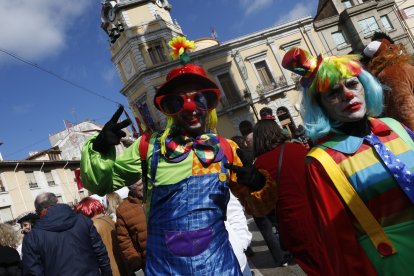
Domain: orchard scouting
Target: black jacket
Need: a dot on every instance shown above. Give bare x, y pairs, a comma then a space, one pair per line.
64, 243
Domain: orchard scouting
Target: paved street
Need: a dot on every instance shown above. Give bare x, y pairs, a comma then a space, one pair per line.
262, 262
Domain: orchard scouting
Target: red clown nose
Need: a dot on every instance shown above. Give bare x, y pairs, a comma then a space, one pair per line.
189, 106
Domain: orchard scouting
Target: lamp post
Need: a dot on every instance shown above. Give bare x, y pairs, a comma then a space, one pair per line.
248, 97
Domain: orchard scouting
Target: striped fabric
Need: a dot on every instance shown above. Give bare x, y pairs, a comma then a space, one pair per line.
370, 177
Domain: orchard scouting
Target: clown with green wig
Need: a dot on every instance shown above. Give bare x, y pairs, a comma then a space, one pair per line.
360, 174
187, 183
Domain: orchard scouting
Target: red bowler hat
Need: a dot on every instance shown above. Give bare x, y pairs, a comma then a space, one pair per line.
189, 73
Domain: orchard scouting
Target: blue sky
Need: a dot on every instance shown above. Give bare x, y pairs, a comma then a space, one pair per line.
64, 38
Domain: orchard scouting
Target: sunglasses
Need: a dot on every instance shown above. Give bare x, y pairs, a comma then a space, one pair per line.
204, 99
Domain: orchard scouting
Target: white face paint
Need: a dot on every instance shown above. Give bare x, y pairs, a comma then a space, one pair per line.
345, 102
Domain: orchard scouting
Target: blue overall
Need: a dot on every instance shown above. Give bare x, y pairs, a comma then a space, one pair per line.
186, 232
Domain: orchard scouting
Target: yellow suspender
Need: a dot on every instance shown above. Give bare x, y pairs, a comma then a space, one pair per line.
365, 218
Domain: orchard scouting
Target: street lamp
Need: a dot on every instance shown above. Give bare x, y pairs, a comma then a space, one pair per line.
248, 97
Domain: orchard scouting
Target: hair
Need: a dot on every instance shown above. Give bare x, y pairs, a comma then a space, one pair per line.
240, 141
377, 36
387, 58
265, 111
245, 127
266, 136
113, 199
44, 201
89, 207
317, 124
8, 236
211, 124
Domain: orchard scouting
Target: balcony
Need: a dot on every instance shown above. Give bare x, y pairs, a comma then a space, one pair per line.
51, 183
33, 185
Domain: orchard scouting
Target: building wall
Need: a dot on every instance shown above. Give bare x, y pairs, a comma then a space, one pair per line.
19, 197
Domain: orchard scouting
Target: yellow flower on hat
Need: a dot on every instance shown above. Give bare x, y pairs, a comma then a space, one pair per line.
179, 44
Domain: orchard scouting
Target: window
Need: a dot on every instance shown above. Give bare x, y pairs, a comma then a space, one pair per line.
2, 188
59, 198
82, 194
386, 23
6, 214
266, 78
31, 180
49, 178
368, 25
409, 12
347, 4
229, 89
156, 53
339, 39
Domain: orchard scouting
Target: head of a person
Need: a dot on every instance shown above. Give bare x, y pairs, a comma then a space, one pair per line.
188, 98
137, 189
245, 128
113, 200
266, 136
382, 53
26, 221
8, 236
337, 90
89, 207
266, 113
44, 201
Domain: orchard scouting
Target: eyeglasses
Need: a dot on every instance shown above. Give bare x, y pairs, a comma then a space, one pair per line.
172, 104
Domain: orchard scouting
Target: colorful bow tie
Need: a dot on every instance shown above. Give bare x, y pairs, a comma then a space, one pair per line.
206, 147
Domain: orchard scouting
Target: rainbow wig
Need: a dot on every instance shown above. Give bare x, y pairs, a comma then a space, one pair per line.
319, 75
211, 123
316, 122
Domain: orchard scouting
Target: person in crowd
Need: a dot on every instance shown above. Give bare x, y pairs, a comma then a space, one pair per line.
63, 242
10, 264
113, 200
265, 223
187, 182
131, 227
360, 172
105, 226
246, 130
393, 67
26, 221
239, 234
285, 162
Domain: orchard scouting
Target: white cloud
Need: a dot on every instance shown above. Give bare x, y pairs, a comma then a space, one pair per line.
300, 10
108, 74
37, 29
252, 6
22, 108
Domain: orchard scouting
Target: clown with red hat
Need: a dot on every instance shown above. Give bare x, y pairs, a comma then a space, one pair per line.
187, 182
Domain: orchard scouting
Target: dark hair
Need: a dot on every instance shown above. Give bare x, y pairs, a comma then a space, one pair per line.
239, 140
266, 136
266, 112
377, 36
245, 127
45, 200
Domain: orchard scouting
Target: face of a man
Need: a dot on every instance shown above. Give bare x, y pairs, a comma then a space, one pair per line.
192, 120
26, 227
345, 102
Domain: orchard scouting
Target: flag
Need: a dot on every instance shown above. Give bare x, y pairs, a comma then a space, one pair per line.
78, 178
141, 126
134, 131
68, 124
214, 32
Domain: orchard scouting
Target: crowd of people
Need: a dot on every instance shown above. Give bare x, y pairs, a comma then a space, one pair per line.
335, 195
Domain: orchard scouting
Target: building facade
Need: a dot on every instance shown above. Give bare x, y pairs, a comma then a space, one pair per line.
22, 180
347, 26
247, 69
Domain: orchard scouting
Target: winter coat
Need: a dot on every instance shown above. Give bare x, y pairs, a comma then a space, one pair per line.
131, 228
9, 261
64, 243
106, 229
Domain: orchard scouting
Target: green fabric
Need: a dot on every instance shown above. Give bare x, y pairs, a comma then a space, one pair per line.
401, 263
399, 129
104, 173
